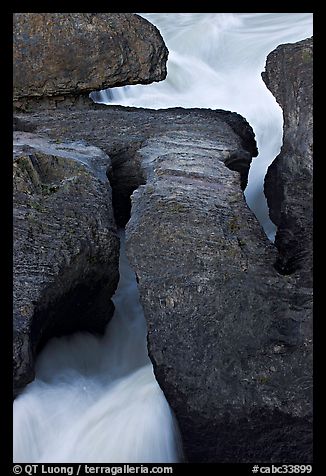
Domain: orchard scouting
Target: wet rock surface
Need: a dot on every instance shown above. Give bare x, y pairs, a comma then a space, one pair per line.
72, 54
66, 249
229, 337
289, 180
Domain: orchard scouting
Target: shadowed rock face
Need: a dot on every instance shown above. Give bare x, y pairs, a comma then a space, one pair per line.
229, 337
120, 131
69, 54
65, 246
289, 180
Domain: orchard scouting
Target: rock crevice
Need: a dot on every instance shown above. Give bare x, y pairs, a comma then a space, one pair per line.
66, 249
125, 176
229, 337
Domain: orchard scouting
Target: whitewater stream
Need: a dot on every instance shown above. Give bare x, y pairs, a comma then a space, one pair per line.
215, 61
96, 399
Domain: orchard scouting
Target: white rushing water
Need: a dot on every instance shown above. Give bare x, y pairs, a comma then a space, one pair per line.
215, 61
96, 399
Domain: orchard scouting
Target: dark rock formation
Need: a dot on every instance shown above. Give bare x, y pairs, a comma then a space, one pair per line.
69, 54
66, 248
65, 244
229, 337
288, 183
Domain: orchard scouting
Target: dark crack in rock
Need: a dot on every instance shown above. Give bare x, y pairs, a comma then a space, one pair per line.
229, 337
66, 249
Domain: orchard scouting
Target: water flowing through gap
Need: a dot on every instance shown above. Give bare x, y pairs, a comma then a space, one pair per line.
96, 399
215, 61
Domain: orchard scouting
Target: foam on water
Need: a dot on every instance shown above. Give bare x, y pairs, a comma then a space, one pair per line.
215, 61
96, 399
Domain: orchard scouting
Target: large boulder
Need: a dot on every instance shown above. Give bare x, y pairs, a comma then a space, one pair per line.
229, 337
289, 180
68, 54
66, 248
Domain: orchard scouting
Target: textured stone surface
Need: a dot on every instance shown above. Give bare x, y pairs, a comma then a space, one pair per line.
60, 54
120, 132
65, 244
289, 180
229, 337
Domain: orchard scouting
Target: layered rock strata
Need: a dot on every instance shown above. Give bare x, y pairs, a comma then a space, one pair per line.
229, 337
65, 242
66, 249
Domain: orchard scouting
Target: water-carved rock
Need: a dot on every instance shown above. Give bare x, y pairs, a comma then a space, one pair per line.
64, 55
229, 337
65, 244
289, 180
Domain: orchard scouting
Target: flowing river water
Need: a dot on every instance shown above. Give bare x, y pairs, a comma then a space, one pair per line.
96, 399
